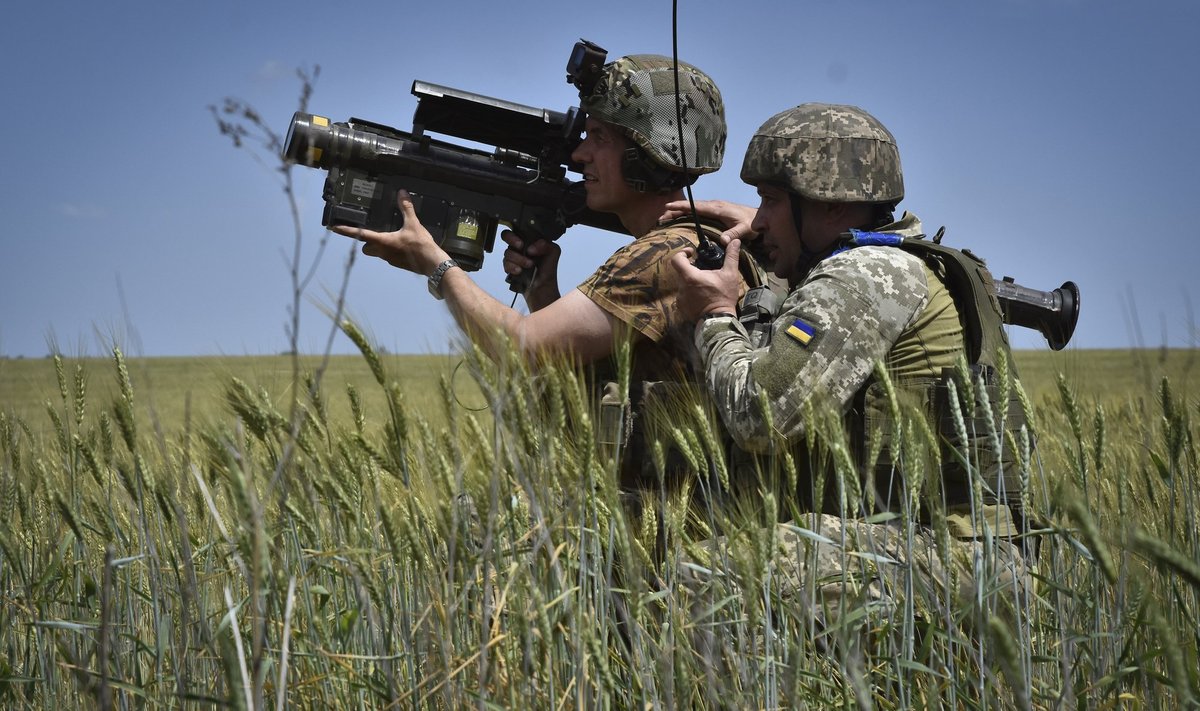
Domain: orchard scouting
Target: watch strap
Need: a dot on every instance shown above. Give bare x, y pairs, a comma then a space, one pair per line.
435, 279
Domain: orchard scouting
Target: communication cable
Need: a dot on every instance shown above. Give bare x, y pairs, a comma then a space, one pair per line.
709, 255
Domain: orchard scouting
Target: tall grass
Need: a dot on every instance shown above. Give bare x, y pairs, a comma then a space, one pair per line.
377, 560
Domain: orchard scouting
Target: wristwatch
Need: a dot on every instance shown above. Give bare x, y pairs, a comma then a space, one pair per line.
435, 279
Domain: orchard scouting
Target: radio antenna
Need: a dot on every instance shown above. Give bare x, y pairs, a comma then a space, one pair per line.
709, 255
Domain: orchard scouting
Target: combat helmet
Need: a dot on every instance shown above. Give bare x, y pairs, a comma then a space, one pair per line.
826, 152
636, 93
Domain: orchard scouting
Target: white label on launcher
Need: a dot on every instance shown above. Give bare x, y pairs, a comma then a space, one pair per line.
362, 188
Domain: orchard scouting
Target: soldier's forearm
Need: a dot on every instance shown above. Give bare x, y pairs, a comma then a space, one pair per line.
727, 355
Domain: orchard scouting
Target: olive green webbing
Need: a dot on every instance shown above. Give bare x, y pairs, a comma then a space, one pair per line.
921, 365
971, 284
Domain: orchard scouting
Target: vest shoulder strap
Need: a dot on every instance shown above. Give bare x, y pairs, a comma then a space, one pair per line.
974, 290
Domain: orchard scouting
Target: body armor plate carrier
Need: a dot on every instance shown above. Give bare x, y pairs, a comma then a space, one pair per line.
976, 415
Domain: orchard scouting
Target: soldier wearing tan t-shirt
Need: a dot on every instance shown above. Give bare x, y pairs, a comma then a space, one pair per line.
633, 165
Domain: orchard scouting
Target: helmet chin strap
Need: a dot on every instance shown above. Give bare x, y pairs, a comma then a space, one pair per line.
808, 258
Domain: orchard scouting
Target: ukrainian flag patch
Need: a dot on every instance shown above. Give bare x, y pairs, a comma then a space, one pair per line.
802, 332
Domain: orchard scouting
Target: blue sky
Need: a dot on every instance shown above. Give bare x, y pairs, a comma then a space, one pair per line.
1057, 138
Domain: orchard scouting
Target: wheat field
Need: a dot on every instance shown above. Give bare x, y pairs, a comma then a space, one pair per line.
440, 532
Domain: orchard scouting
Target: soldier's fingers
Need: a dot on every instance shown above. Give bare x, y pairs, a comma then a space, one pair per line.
512, 239
682, 263
404, 202
544, 251
732, 251
358, 233
739, 231
674, 209
346, 230
516, 259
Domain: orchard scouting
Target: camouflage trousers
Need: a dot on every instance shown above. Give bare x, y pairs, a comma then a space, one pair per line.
837, 577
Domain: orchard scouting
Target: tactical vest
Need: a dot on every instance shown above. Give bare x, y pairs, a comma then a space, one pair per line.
622, 432
968, 434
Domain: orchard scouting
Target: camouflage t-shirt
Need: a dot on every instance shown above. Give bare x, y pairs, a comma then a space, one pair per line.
638, 287
830, 333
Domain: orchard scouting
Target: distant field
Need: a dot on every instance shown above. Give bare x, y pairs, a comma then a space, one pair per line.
1103, 374
172, 389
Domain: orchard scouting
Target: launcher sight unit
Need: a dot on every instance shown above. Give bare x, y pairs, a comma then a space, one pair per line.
460, 194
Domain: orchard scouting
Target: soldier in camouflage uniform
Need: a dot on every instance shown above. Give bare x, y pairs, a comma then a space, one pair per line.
823, 171
632, 166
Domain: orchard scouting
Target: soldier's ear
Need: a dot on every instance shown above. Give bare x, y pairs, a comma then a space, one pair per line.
842, 214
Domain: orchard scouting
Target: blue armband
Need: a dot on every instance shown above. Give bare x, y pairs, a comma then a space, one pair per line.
858, 238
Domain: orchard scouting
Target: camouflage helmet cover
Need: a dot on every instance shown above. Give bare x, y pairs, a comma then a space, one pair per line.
826, 152
637, 94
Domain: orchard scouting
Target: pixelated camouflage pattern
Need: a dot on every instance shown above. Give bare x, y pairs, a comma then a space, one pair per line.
859, 302
831, 567
826, 152
637, 94
867, 306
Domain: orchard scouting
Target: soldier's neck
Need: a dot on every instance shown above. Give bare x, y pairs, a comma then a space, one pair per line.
641, 214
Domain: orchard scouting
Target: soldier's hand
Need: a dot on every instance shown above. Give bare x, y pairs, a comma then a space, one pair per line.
734, 217
707, 291
541, 255
411, 247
